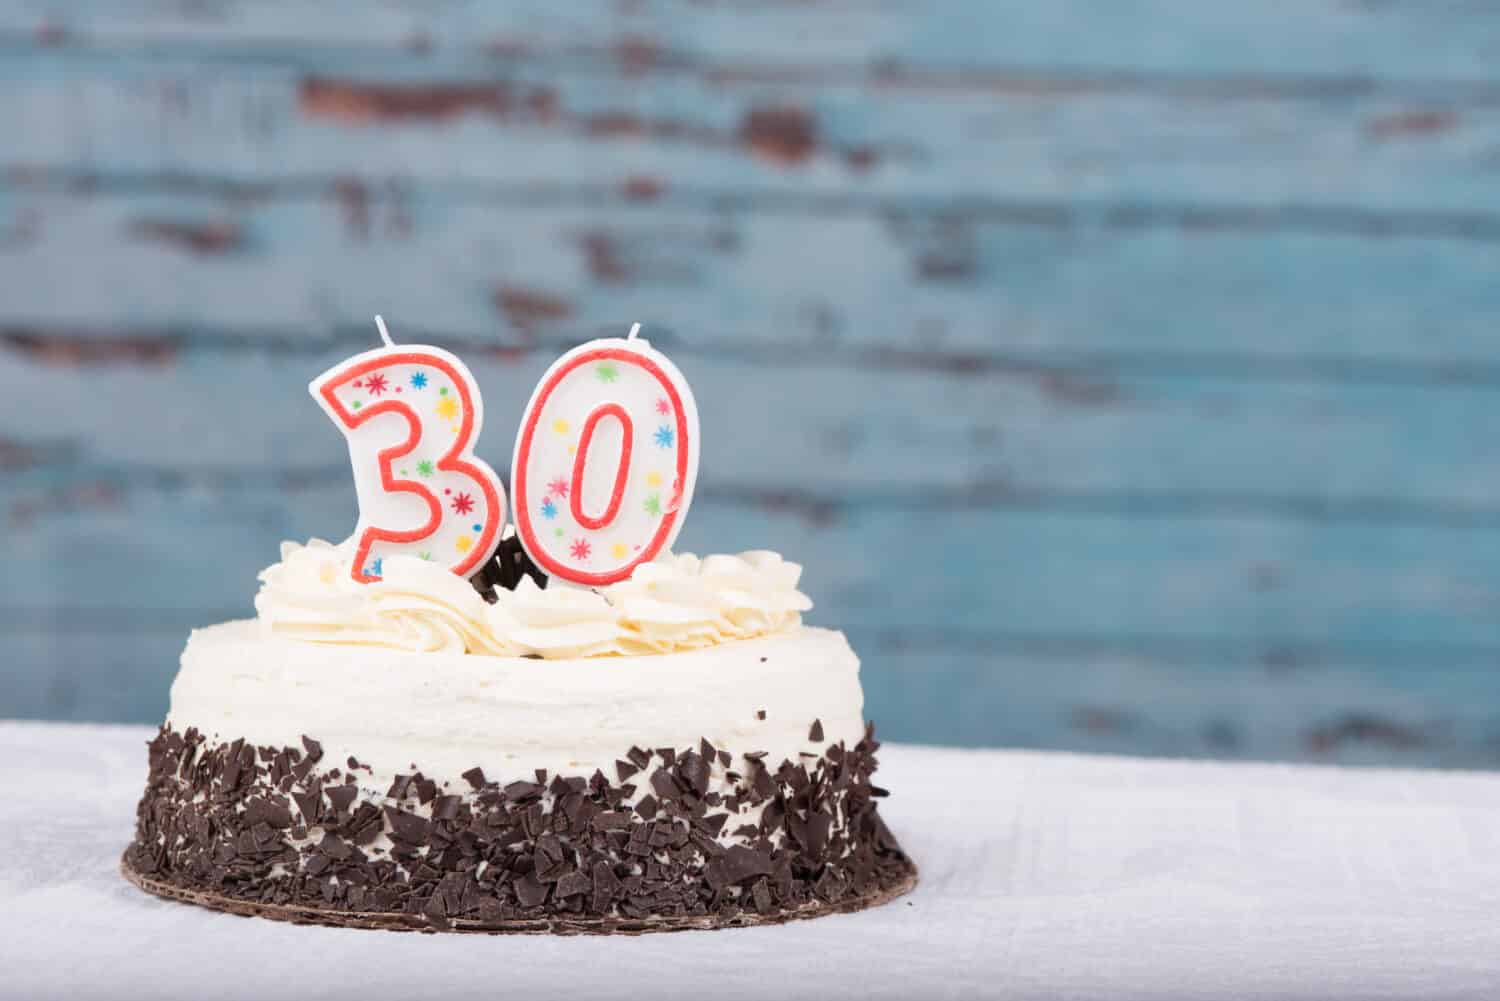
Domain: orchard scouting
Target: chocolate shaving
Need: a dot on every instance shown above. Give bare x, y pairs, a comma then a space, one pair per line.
505, 568
662, 782
573, 884
342, 797
742, 863
240, 826
310, 803
520, 792
260, 810
530, 891
406, 827
692, 770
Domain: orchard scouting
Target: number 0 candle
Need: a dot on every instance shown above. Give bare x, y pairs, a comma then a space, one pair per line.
605, 462
411, 415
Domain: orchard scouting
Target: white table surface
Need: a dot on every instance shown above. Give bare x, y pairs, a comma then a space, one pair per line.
1043, 876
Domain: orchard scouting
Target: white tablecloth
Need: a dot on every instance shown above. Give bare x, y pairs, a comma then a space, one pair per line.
1043, 876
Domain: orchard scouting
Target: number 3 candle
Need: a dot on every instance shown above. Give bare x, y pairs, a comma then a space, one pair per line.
411, 415
605, 462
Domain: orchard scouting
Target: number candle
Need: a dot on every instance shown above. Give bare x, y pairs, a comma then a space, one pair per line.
605, 462
411, 415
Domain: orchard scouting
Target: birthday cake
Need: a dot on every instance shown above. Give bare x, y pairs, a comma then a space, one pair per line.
574, 730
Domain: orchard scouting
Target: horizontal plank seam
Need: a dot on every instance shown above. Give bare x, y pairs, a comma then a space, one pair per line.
480, 64
827, 505
1057, 214
58, 344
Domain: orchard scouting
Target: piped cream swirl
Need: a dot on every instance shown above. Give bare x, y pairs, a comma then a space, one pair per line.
684, 603
675, 603
416, 605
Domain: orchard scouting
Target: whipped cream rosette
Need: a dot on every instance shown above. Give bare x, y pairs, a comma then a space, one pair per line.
415, 606
677, 602
556, 623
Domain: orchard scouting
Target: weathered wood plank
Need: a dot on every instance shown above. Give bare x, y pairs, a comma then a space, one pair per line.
839, 435
1183, 316
1216, 706
116, 675
1206, 704
1323, 39
424, 122
940, 290
1288, 590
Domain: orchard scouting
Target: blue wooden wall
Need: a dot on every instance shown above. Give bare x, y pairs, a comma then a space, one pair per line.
1125, 372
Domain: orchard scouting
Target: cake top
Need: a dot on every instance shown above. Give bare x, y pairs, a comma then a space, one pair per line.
673, 603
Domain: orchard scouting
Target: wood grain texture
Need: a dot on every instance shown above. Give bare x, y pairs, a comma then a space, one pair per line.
948, 292
1053, 572
1371, 42
874, 435
1124, 373
1406, 161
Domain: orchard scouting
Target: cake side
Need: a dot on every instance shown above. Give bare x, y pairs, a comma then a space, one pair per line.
449, 712
377, 787
651, 845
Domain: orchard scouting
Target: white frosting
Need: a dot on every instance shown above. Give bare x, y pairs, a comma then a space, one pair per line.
674, 603
416, 606
447, 712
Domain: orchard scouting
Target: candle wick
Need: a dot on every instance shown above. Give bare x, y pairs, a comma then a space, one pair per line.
385, 335
635, 328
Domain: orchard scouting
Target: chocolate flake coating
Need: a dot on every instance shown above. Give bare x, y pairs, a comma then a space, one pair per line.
505, 568
234, 827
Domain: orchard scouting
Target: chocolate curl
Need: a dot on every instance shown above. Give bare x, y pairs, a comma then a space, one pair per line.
505, 568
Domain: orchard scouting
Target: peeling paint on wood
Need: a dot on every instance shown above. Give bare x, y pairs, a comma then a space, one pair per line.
525, 308
1363, 729
367, 102
17, 455
1162, 362
1414, 124
71, 348
781, 135
1367, 44
213, 237
644, 188
911, 437
1368, 592
1241, 303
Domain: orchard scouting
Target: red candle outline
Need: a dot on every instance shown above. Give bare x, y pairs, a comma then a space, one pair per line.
524, 527
622, 469
449, 462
